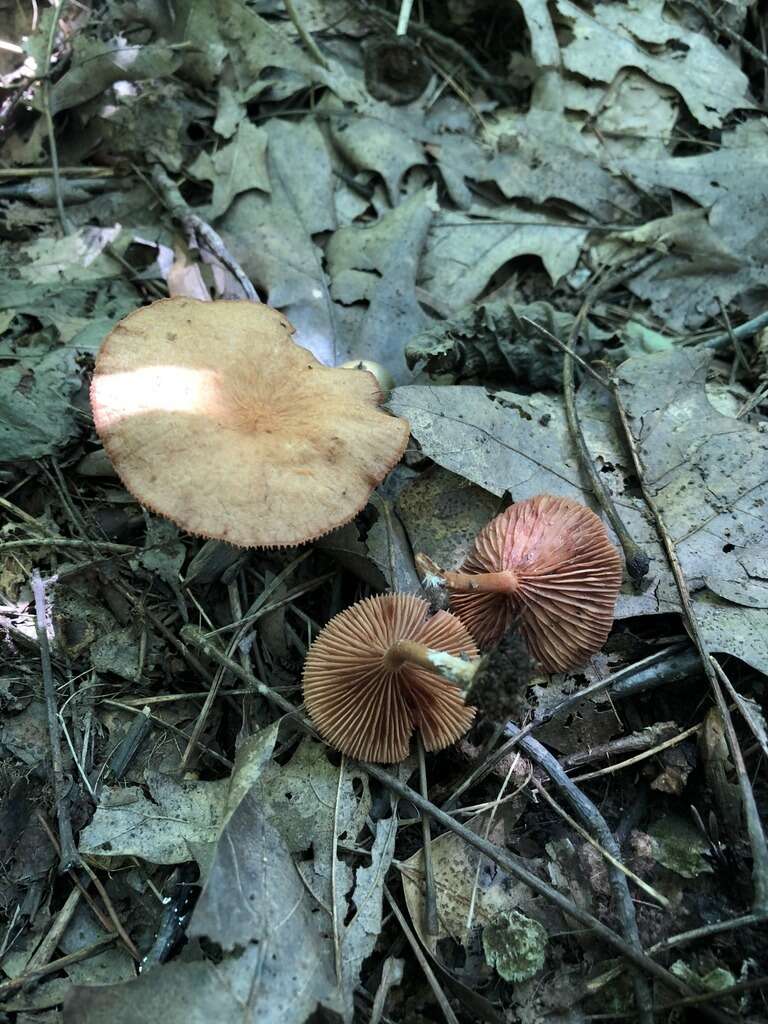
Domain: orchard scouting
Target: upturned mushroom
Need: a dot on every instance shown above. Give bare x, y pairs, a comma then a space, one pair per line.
384, 667
546, 565
215, 418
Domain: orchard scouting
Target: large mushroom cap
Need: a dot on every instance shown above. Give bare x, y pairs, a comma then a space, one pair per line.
567, 577
215, 418
369, 711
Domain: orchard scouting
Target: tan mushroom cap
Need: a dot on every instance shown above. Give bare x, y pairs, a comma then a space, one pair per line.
214, 417
365, 709
567, 577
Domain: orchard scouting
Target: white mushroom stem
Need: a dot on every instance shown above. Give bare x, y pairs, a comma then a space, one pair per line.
460, 671
432, 575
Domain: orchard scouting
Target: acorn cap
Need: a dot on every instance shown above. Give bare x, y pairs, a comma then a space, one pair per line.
368, 711
214, 417
567, 578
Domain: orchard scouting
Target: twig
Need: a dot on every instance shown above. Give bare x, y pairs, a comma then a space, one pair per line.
429, 974
502, 858
711, 669
639, 757
431, 926
107, 922
334, 878
636, 559
494, 807
546, 716
305, 37
58, 7
513, 867
197, 228
592, 817
741, 332
66, 542
68, 855
716, 928
726, 30
391, 976
196, 638
614, 861
566, 350
50, 942
7, 988
169, 728
751, 813
694, 1000
431, 35
406, 6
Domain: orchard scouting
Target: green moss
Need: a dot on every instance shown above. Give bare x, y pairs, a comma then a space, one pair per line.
515, 945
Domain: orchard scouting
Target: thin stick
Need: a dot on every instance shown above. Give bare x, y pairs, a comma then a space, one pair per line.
66, 542
546, 716
429, 974
651, 752
494, 806
334, 879
751, 813
69, 855
711, 670
512, 866
199, 229
56, 14
7, 988
566, 350
648, 889
723, 28
305, 37
50, 942
169, 727
636, 559
716, 928
406, 6
105, 921
502, 858
741, 332
431, 923
196, 638
592, 817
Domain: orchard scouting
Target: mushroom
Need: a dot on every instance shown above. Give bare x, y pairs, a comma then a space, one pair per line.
548, 565
214, 417
378, 671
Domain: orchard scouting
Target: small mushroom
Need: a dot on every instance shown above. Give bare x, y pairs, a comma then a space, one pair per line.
214, 417
381, 669
547, 565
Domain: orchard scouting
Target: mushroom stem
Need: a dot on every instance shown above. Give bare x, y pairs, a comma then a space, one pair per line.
460, 671
505, 582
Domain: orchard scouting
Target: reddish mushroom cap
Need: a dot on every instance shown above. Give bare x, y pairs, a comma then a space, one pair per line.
567, 575
365, 709
214, 417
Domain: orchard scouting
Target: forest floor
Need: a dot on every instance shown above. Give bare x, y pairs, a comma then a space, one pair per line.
545, 223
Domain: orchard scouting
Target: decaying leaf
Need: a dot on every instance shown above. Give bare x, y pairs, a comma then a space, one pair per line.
619, 35
36, 412
160, 829
235, 168
378, 264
